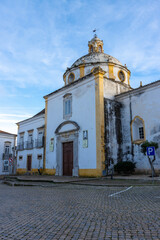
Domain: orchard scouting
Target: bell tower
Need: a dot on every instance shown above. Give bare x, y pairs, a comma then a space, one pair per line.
95, 45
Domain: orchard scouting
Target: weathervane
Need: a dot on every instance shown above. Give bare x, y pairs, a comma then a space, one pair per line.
94, 31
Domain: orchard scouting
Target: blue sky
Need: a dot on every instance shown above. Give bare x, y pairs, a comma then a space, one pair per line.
39, 39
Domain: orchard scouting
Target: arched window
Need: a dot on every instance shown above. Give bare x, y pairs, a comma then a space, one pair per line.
100, 49
137, 130
71, 77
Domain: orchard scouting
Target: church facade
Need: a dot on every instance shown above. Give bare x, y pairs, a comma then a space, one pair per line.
94, 119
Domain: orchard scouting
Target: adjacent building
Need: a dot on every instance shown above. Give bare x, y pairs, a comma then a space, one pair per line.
7, 153
30, 144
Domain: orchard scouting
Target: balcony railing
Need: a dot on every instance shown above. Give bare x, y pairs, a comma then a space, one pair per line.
6, 156
20, 146
29, 144
39, 143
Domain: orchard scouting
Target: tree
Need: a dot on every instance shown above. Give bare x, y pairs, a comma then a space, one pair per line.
144, 151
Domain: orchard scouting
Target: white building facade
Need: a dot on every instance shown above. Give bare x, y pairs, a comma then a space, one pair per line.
93, 118
7, 153
30, 144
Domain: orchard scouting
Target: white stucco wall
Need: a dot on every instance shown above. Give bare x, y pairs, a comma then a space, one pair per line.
25, 126
145, 103
112, 88
83, 113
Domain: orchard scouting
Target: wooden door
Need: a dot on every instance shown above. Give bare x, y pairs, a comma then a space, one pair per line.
29, 162
67, 158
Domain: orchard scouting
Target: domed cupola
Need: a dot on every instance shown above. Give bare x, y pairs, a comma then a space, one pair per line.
83, 66
95, 45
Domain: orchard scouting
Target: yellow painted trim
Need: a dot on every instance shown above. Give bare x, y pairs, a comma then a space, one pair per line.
64, 79
90, 172
35, 170
21, 170
100, 45
49, 171
45, 133
110, 70
99, 107
138, 141
124, 75
69, 76
128, 77
81, 68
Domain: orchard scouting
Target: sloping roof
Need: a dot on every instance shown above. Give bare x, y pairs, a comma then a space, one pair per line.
36, 115
149, 85
39, 113
7, 133
68, 85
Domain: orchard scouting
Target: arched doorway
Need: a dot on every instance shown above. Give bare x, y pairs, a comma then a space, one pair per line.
67, 149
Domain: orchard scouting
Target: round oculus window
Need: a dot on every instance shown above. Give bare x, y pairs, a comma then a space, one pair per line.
71, 78
121, 76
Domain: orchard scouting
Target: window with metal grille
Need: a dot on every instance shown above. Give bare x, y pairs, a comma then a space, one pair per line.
141, 133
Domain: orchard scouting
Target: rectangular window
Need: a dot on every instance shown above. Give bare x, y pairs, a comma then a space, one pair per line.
141, 133
5, 165
21, 139
30, 135
40, 135
7, 149
29, 143
20, 158
67, 106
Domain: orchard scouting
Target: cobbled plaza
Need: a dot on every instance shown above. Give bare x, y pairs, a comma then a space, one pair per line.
68, 211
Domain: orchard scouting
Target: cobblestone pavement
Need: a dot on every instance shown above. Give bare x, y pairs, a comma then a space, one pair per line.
79, 212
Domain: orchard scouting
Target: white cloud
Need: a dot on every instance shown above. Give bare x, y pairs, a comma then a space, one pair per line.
15, 115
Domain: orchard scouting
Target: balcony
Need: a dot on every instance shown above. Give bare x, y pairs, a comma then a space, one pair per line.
39, 143
6, 156
20, 146
29, 144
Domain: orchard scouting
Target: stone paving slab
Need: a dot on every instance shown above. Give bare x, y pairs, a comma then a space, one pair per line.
79, 212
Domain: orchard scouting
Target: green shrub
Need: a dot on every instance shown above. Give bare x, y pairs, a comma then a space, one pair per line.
125, 167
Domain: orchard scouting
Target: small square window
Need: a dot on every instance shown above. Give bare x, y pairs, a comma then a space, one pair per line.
39, 156
20, 158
